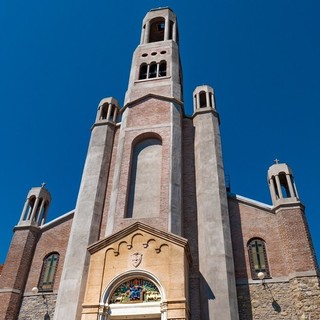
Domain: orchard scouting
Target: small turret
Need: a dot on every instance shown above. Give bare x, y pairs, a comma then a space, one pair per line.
203, 98
26, 234
108, 110
281, 184
36, 207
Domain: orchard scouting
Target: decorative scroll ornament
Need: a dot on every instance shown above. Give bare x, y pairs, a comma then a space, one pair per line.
136, 259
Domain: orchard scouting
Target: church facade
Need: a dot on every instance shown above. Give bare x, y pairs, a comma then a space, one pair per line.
156, 233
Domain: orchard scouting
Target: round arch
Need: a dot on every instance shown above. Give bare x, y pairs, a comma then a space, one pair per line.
128, 275
148, 310
145, 136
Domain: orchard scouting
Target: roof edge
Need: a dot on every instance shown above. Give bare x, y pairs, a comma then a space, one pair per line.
61, 219
252, 202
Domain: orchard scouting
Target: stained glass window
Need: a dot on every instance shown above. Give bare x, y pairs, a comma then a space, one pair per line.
48, 272
258, 258
135, 291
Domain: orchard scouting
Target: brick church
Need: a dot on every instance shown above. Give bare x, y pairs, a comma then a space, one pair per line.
156, 232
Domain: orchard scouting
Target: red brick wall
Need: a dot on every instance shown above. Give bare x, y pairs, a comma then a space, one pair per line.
54, 239
296, 239
285, 234
15, 270
9, 306
151, 116
150, 112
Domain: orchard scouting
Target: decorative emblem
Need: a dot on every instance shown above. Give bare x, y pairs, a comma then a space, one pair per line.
136, 259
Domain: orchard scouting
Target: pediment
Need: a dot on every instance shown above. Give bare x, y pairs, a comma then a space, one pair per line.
149, 96
150, 235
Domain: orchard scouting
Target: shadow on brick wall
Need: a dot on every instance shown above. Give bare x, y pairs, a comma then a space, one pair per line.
243, 292
190, 219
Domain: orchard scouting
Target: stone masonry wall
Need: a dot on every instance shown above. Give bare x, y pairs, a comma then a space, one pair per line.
35, 307
282, 300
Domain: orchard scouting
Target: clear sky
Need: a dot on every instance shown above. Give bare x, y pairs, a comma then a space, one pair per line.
59, 58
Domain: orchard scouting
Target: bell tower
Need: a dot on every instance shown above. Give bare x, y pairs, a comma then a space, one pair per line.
156, 65
147, 177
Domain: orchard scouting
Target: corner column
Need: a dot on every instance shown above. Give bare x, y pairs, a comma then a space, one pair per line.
218, 296
86, 224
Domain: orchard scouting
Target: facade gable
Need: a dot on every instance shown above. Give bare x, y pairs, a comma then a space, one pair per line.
138, 254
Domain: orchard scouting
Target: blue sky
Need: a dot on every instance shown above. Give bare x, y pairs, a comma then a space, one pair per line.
58, 59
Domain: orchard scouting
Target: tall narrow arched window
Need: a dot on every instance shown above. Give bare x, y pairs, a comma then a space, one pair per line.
153, 70
29, 209
258, 258
48, 272
171, 30
284, 185
293, 186
210, 99
40, 217
143, 71
145, 179
162, 69
203, 99
104, 111
274, 183
157, 30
